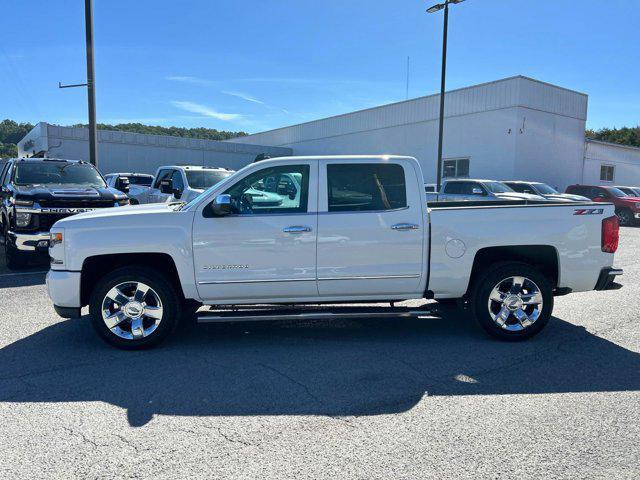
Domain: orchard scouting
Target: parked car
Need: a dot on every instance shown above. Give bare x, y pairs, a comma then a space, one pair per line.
630, 191
456, 190
544, 190
35, 193
358, 230
627, 208
179, 183
133, 184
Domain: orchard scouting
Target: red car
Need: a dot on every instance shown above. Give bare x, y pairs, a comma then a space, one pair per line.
627, 208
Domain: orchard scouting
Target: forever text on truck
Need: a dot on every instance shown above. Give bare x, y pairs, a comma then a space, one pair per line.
346, 229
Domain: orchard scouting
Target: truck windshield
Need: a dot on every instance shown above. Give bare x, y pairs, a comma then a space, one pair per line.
545, 189
57, 173
203, 179
497, 187
140, 180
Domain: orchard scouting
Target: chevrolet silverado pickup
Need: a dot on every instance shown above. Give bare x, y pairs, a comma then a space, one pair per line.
35, 193
351, 230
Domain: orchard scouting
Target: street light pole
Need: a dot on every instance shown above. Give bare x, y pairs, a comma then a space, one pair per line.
91, 83
436, 8
442, 89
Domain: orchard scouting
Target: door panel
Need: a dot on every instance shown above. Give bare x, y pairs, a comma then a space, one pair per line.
370, 252
258, 252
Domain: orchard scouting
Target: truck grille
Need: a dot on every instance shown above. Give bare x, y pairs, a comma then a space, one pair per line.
47, 221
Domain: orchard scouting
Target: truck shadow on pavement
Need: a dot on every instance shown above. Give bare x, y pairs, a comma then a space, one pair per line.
338, 368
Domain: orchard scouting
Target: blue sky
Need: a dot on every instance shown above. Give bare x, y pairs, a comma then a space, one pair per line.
255, 65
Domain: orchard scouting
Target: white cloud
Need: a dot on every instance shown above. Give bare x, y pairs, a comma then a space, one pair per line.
205, 111
243, 96
190, 79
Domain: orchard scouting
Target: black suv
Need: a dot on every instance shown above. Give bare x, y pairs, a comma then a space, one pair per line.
35, 193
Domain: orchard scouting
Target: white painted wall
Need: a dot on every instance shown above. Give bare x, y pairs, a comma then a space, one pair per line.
515, 128
626, 161
134, 152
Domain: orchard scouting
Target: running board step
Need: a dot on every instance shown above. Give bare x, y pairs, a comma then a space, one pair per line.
308, 313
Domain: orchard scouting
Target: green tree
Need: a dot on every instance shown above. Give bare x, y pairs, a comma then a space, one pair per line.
624, 135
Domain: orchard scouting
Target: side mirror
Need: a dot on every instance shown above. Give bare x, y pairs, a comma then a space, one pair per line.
122, 184
477, 191
166, 186
221, 205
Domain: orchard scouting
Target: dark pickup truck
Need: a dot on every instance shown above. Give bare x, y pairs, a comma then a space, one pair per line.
36, 193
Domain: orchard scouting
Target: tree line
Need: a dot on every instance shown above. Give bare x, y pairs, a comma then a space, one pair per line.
12, 132
624, 135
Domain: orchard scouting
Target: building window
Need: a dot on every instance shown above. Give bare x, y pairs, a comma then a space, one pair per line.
607, 172
455, 167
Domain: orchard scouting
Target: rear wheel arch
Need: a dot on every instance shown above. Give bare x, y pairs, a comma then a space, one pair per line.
541, 257
96, 267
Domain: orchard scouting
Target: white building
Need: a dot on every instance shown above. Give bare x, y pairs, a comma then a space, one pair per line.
135, 152
515, 128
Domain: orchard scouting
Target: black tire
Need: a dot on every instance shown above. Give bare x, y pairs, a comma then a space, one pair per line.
133, 201
14, 259
161, 285
494, 276
625, 217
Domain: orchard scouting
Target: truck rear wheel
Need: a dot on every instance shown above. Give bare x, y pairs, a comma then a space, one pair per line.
134, 308
513, 301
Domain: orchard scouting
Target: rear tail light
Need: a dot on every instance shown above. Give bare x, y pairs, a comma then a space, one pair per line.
610, 234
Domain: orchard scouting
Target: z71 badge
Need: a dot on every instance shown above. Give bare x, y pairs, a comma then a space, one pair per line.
588, 211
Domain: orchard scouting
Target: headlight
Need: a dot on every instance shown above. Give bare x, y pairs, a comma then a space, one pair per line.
55, 238
23, 219
56, 248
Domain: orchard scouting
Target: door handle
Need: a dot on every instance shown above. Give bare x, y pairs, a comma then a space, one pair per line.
405, 226
296, 229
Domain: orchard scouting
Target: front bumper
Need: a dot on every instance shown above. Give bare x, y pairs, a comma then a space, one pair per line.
64, 292
607, 277
29, 242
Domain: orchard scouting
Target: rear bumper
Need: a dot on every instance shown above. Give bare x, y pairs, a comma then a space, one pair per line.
607, 277
30, 242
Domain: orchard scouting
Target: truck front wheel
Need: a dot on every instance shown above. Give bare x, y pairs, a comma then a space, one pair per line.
134, 307
513, 301
13, 258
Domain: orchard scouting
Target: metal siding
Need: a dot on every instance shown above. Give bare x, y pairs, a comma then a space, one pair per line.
511, 92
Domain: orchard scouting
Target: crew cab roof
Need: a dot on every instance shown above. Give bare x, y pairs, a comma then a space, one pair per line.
37, 160
193, 167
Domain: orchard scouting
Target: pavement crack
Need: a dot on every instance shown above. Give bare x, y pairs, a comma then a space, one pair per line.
81, 436
294, 381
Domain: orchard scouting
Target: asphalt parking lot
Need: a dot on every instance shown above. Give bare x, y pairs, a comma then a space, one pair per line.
387, 399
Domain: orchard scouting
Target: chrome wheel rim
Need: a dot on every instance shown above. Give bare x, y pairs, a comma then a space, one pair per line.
132, 310
515, 303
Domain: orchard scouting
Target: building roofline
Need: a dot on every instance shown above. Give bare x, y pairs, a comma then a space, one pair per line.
331, 117
612, 144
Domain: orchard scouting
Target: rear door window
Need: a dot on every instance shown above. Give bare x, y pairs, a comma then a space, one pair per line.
360, 187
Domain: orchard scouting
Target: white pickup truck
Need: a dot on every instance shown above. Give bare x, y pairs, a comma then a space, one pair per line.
352, 230
178, 183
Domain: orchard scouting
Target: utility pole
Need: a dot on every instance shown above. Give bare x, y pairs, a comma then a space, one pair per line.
91, 83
